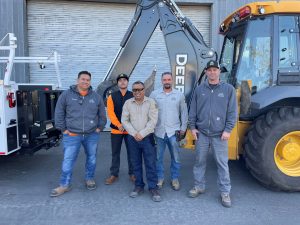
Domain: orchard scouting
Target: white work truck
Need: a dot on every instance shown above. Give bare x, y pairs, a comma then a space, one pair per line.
26, 110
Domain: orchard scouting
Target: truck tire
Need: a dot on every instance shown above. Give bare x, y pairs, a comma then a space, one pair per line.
272, 149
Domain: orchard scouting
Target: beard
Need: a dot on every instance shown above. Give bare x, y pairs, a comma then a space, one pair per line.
167, 86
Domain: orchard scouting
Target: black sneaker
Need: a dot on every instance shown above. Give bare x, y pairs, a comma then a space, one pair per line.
90, 185
136, 192
155, 195
225, 200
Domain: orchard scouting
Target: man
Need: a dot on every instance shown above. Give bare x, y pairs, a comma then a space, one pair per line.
213, 114
139, 118
115, 104
172, 117
80, 115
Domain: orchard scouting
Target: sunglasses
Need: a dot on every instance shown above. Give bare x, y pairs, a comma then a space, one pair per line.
138, 90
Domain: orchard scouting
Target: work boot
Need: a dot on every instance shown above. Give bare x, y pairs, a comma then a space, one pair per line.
195, 191
175, 184
59, 191
225, 200
136, 192
90, 185
132, 178
111, 180
155, 195
160, 183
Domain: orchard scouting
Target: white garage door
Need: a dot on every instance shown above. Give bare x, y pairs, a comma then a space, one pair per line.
87, 36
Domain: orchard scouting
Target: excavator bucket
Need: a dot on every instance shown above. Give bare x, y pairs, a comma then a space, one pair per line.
149, 83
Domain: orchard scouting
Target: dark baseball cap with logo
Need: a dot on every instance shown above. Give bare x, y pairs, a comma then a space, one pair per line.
122, 75
212, 63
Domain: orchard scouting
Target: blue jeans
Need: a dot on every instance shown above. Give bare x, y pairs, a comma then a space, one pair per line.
174, 152
140, 150
72, 146
220, 153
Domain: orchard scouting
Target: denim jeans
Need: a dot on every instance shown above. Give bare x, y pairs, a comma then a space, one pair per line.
174, 152
72, 146
139, 151
220, 153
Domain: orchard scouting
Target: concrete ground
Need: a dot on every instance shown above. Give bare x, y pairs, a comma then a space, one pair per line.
26, 181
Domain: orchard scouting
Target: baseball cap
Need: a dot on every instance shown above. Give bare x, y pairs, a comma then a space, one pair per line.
122, 75
212, 63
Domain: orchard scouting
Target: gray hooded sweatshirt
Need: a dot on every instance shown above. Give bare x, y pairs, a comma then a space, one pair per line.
213, 111
79, 114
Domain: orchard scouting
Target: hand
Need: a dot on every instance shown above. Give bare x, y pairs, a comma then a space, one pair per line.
180, 136
66, 132
138, 137
121, 128
225, 136
195, 133
98, 130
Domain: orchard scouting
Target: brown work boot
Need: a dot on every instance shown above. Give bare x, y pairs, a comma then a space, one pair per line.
59, 191
111, 180
132, 178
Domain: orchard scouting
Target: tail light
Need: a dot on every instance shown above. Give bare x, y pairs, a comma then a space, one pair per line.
11, 99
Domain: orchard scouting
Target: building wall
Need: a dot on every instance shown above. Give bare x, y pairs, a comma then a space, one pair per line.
13, 19
87, 36
220, 10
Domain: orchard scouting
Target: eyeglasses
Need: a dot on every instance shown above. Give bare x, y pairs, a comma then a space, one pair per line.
138, 90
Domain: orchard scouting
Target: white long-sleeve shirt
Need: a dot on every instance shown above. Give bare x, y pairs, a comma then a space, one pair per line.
172, 112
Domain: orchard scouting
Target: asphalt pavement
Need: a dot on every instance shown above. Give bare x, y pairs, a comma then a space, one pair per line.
26, 181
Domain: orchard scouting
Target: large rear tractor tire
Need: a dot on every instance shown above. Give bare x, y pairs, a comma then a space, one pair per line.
272, 149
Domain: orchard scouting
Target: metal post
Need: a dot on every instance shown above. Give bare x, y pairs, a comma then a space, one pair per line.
56, 59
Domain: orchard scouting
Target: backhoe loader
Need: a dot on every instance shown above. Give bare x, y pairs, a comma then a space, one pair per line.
260, 58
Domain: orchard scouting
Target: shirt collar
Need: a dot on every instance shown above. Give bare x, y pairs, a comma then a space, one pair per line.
145, 99
207, 84
162, 91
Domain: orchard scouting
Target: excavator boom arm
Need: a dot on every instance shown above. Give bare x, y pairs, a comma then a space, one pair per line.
186, 48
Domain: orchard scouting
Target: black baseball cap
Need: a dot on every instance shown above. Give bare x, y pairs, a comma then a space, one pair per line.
212, 63
122, 75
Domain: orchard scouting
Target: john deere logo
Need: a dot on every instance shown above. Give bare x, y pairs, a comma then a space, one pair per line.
180, 71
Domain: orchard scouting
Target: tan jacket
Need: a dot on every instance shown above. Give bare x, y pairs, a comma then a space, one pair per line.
139, 118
